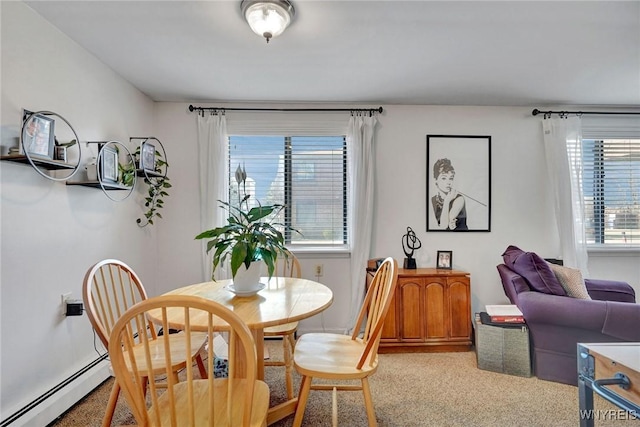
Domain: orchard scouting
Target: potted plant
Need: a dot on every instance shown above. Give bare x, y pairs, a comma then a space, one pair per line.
249, 238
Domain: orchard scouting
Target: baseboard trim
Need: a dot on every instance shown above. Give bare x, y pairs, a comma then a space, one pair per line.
47, 407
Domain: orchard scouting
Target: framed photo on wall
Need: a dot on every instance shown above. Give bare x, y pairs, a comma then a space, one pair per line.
458, 183
108, 165
148, 156
38, 137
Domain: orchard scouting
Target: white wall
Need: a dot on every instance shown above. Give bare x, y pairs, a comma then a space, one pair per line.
521, 209
52, 233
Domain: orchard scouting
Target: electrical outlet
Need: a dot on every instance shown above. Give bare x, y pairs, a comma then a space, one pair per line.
319, 270
63, 301
74, 308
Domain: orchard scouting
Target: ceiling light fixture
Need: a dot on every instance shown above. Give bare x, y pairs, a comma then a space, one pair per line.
268, 18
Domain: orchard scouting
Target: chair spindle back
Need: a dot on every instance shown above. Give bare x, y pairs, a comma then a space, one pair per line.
192, 401
110, 288
288, 267
375, 308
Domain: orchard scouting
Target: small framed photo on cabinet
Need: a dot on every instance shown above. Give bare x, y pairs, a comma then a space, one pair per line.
444, 260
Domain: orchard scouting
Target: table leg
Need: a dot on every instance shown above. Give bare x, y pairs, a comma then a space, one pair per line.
240, 365
258, 336
585, 403
284, 409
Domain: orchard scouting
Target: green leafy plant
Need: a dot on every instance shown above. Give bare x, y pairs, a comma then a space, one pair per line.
158, 186
250, 234
127, 174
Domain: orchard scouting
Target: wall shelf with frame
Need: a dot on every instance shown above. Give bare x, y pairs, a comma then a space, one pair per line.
152, 166
38, 145
148, 173
96, 184
47, 164
109, 173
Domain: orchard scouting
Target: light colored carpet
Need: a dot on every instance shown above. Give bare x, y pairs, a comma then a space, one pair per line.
411, 389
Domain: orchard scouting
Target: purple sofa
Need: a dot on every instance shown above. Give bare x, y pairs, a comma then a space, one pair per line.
558, 322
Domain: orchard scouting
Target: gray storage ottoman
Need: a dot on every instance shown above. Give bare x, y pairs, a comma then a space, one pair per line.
503, 349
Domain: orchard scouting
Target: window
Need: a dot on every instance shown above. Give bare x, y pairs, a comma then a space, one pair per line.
307, 174
611, 187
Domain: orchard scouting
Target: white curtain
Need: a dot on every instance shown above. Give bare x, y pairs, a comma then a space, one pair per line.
563, 150
213, 172
360, 146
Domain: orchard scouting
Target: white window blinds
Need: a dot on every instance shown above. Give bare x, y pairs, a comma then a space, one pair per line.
306, 174
300, 161
611, 180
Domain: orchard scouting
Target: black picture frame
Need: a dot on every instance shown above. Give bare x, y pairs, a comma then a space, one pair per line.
38, 135
461, 163
148, 156
109, 165
444, 260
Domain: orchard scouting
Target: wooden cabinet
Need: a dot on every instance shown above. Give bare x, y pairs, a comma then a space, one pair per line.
431, 311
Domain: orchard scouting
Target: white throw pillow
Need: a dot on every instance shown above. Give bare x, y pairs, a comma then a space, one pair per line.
571, 280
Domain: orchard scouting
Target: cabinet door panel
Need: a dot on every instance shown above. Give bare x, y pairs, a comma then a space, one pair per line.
436, 318
389, 327
410, 327
460, 309
431, 311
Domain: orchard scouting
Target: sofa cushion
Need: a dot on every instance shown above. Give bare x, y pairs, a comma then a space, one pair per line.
610, 290
571, 281
534, 269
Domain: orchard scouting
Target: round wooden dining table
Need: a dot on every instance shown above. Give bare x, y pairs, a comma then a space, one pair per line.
283, 300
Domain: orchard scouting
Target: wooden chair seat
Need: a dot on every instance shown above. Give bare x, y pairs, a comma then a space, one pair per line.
275, 331
201, 396
157, 352
343, 358
340, 357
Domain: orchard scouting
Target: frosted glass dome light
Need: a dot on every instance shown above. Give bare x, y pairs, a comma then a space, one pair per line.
268, 18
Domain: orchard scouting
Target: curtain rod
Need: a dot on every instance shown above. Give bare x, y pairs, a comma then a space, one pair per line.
203, 109
535, 112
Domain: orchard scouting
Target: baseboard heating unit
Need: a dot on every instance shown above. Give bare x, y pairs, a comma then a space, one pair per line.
44, 409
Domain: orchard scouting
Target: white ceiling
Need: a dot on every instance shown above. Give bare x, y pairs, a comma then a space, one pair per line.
512, 53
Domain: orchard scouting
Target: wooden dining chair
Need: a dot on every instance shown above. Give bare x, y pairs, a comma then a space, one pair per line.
110, 288
287, 267
340, 358
238, 400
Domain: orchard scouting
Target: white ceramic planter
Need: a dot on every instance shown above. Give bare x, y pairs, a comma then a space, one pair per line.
91, 169
248, 280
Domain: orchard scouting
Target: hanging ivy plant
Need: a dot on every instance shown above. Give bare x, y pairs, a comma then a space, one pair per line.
158, 184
